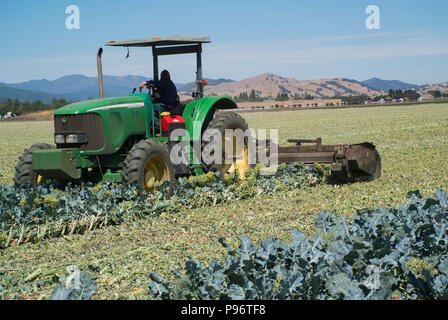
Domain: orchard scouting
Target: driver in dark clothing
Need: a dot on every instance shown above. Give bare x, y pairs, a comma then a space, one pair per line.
167, 91
166, 88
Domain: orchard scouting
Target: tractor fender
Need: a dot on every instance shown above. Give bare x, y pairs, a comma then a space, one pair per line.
148, 110
200, 112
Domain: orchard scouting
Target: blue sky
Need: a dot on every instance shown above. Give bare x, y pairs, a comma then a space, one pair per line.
300, 39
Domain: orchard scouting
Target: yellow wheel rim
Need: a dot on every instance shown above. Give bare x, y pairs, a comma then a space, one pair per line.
240, 158
156, 170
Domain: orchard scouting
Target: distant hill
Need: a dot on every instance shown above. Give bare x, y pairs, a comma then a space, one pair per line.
26, 95
386, 85
191, 86
80, 87
442, 87
269, 85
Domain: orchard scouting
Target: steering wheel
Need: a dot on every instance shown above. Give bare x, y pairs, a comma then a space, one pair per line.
152, 91
146, 85
151, 87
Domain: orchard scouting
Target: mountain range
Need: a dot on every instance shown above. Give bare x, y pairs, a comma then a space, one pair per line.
80, 87
386, 85
191, 86
76, 87
25, 95
270, 85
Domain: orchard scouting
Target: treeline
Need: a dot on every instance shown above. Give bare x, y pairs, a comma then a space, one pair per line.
244, 97
407, 95
400, 94
19, 107
438, 94
281, 96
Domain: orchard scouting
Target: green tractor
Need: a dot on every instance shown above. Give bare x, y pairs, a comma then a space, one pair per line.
117, 139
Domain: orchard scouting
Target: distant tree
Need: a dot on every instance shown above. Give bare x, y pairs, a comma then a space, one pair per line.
378, 98
354, 100
411, 95
252, 96
308, 97
243, 97
8, 103
15, 106
435, 93
3, 109
282, 96
37, 105
396, 94
391, 94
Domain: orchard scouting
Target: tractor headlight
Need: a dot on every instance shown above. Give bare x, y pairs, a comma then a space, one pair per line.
59, 138
76, 138
72, 138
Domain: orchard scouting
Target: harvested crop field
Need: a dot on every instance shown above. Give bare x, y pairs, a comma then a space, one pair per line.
412, 141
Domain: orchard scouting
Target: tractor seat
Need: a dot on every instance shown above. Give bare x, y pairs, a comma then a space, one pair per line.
178, 110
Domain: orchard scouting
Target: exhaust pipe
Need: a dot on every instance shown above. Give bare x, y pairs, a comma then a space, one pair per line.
100, 72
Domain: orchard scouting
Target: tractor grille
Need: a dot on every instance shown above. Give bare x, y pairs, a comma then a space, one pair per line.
90, 124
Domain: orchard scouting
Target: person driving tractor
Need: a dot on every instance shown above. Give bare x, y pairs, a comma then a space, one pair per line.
166, 88
167, 91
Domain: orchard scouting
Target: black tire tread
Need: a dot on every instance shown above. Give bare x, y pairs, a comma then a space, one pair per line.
222, 121
136, 158
24, 168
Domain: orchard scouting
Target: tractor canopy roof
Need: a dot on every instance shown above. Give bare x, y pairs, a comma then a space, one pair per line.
162, 46
160, 41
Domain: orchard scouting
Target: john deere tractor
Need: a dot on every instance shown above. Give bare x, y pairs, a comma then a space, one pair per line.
117, 139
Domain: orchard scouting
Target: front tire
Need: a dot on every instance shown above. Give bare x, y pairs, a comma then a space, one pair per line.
24, 168
148, 163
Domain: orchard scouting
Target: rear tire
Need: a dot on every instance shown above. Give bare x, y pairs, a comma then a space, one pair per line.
147, 163
221, 122
24, 168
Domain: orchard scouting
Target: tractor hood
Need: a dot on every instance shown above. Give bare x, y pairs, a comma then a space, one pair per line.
99, 104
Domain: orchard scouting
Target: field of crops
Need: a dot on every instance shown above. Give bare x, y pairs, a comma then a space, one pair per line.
412, 140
